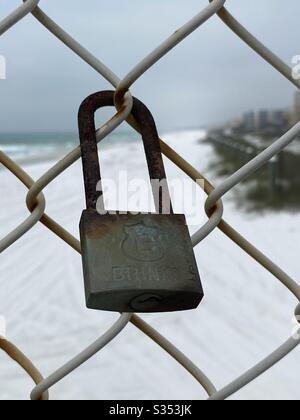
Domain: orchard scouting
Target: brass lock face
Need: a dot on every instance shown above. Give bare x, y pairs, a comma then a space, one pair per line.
133, 263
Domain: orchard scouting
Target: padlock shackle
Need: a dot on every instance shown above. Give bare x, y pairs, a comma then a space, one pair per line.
89, 148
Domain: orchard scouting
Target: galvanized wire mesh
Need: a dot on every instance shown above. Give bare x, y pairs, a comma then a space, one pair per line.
36, 202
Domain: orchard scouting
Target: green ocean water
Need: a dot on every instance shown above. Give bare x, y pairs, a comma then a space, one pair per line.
22, 146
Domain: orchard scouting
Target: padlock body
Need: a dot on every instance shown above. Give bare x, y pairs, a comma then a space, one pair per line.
138, 263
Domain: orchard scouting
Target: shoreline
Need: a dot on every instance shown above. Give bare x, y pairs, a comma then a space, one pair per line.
59, 151
35, 160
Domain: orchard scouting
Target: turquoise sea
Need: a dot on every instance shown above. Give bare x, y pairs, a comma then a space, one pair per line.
23, 146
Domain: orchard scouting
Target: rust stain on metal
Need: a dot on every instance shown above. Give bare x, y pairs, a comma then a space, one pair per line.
89, 148
96, 227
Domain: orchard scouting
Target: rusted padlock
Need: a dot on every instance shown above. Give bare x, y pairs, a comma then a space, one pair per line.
133, 263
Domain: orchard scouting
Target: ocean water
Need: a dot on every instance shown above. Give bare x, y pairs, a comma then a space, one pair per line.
30, 146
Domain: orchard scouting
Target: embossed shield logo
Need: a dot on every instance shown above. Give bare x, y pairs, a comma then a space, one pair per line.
143, 243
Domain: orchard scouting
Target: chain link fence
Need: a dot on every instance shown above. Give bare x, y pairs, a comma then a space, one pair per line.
36, 202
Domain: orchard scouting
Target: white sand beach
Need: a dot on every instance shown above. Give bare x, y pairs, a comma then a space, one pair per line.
245, 315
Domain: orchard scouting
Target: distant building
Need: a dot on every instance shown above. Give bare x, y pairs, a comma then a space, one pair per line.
268, 121
249, 121
297, 107
262, 119
291, 118
278, 118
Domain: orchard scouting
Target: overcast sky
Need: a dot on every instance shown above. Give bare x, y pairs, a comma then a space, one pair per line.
209, 78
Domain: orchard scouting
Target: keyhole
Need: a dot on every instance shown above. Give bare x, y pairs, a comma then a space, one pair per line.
145, 302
